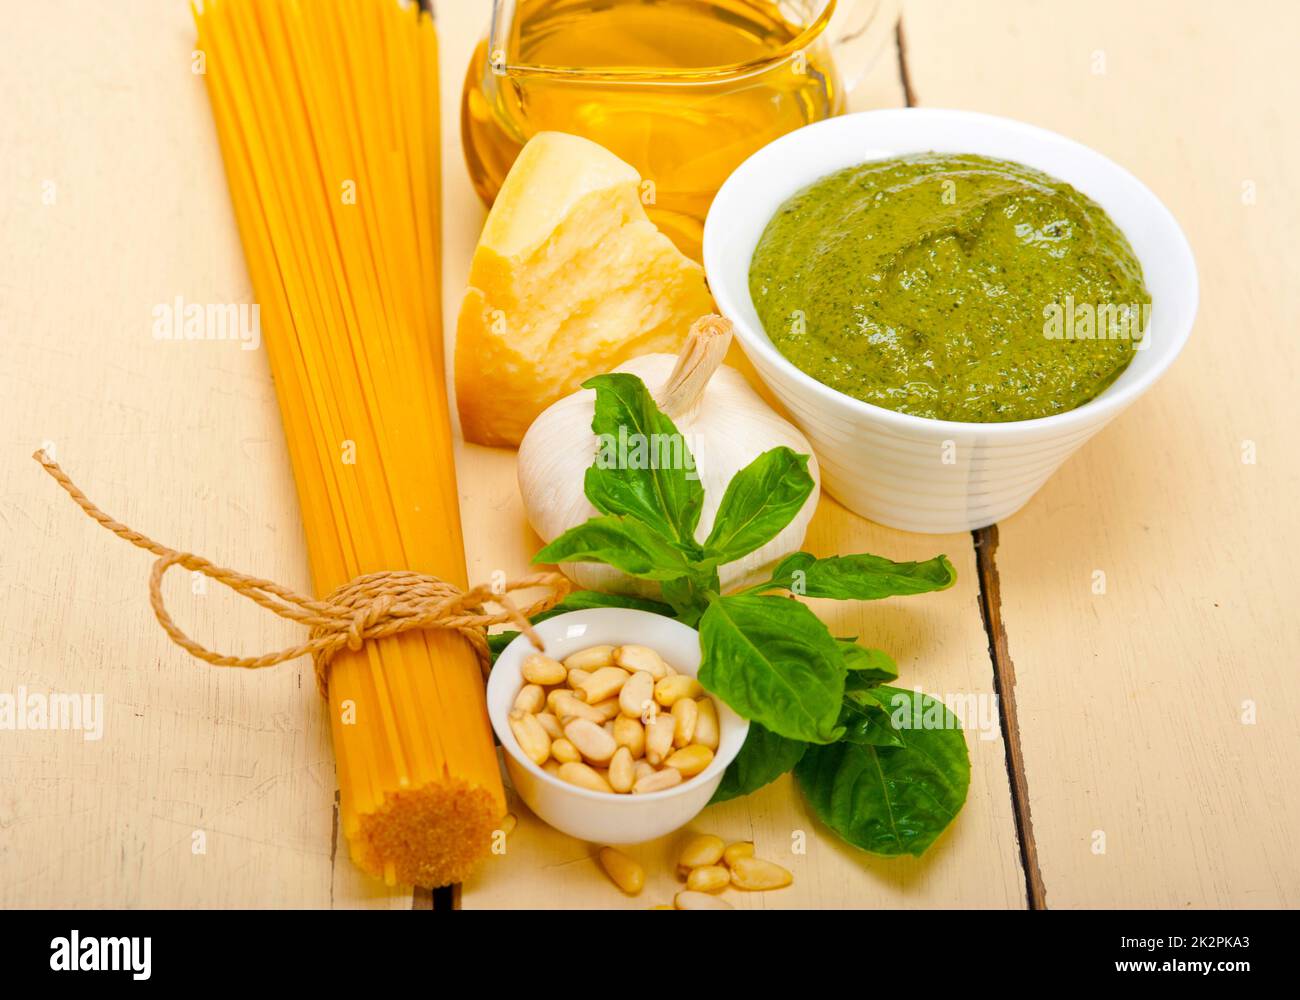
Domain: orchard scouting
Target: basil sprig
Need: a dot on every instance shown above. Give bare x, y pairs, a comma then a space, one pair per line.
816, 703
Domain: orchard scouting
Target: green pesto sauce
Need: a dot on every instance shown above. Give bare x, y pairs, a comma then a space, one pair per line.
951, 286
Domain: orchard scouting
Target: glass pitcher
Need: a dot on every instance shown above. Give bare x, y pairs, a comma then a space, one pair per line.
684, 90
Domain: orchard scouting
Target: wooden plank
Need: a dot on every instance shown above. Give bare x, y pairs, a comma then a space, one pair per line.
938, 639
1135, 703
116, 202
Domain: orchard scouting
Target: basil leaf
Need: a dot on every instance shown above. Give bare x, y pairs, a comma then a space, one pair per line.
763, 758
773, 661
867, 667
866, 720
761, 499
892, 800
689, 595
861, 577
643, 467
624, 543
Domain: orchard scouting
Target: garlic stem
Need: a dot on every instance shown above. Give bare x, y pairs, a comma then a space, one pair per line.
706, 345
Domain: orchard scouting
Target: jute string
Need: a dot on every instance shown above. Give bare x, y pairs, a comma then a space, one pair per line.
368, 607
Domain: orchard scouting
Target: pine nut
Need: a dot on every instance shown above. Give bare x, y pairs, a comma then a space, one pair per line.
607, 708
707, 730
636, 694
641, 770
622, 870
636, 658
631, 734
531, 698
551, 724
567, 707
658, 781
530, 736
743, 849
690, 760
622, 770
576, 677
584, 777
541, 669
758, 875
591, 658
708, 878
659, 739
591, 740
604, 683
689, 899
565, 752
685, 715
705, 849
552, 767
670, 689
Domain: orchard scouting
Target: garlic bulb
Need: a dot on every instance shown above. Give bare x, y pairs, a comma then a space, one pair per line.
724, 422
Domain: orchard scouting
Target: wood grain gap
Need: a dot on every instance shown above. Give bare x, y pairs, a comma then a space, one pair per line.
1004, 684
900, 44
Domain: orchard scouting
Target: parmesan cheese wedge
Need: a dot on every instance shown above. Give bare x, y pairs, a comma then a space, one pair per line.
570, 279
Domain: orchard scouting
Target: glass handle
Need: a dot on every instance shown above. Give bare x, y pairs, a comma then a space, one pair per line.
859, 31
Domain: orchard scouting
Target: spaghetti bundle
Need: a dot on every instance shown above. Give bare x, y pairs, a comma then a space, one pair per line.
328, 121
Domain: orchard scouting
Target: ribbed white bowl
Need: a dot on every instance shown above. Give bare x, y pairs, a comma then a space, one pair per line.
912, 472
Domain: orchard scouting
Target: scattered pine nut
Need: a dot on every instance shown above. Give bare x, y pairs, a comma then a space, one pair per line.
705, 849
758, 875
708, 878
623, 871
742, 849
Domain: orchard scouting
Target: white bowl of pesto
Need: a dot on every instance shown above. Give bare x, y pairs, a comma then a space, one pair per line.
928, 327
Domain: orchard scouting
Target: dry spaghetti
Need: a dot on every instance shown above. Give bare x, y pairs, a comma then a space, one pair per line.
327, 116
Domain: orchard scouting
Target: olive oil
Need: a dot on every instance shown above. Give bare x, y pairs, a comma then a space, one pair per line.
683, 90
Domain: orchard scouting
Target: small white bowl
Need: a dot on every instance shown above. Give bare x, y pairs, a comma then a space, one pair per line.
916, 473
599, 816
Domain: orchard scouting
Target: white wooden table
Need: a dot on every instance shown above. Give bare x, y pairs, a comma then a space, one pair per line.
1149, 755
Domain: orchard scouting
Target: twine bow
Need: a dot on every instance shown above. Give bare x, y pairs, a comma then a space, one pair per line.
365, 608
